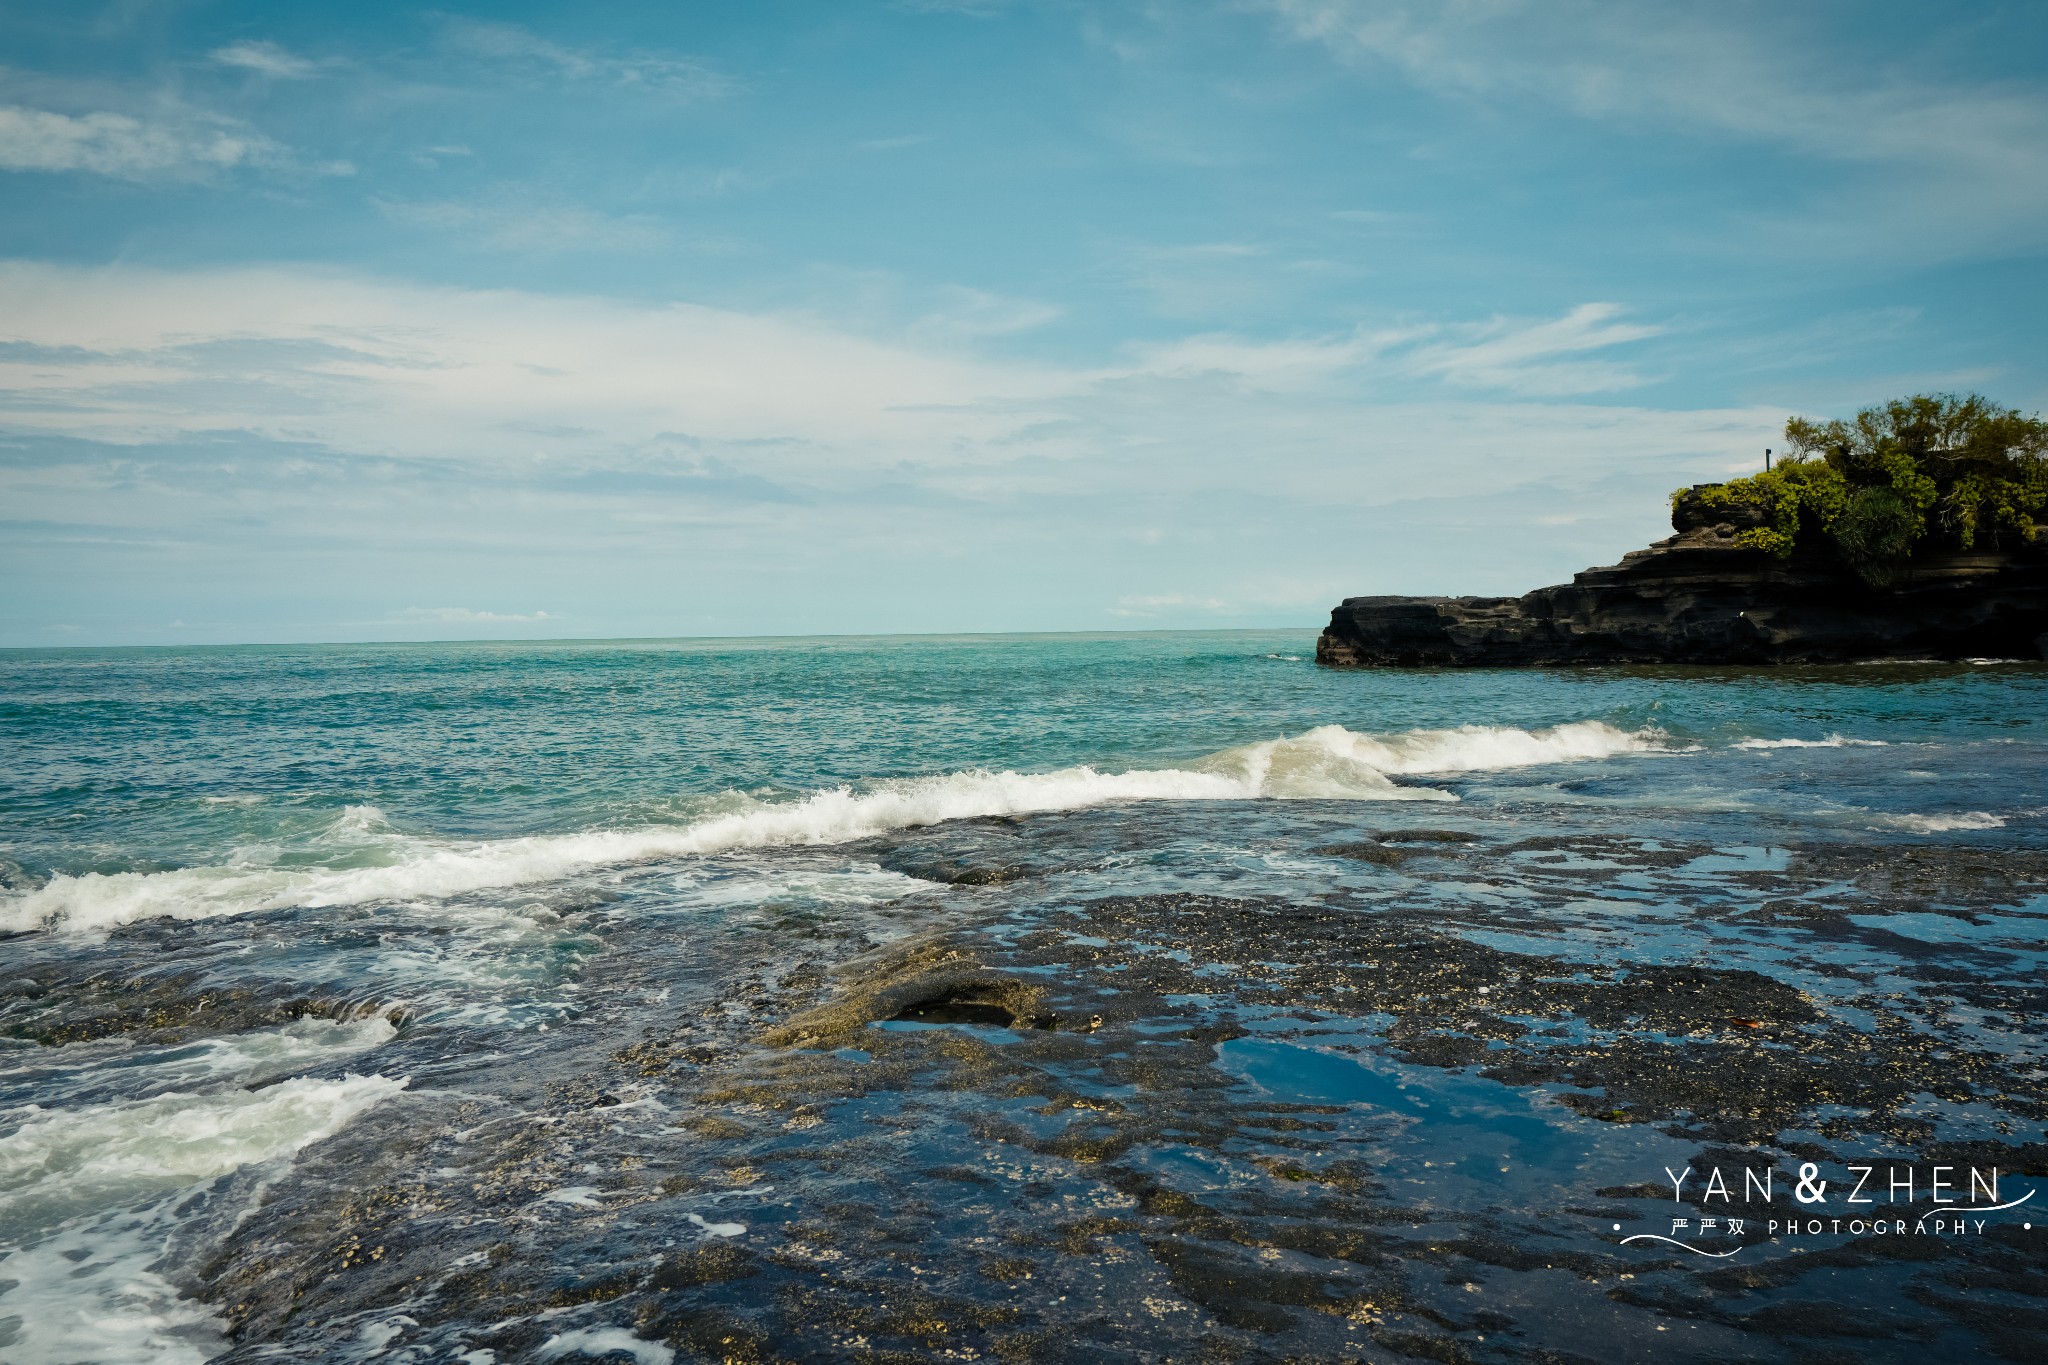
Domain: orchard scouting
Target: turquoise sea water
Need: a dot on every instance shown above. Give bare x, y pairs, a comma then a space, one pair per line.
406, 823
144, 760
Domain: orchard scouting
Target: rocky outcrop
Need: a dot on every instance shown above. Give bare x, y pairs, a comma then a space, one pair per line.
1698, 598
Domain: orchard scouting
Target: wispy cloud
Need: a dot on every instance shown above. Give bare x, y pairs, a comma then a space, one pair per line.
417, 372
718, 463
702, 182
1196, 279
129, 148
468, 616
1978, 148
651, 408
510, 221
1193, 281
1161, 604
1536, 358
266, 59
556, 387
963, 314
672, 74
430, 158
1292, 363
1525, 357
1715, 70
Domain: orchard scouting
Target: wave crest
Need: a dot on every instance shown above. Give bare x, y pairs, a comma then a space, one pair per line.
1327, 763
70, 1162
1831, 742
1941, 824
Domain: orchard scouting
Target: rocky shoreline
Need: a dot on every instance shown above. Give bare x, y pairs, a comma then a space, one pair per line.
1698, 597
1374, 1119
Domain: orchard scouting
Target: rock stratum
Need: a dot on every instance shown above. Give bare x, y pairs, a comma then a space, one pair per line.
1699, 598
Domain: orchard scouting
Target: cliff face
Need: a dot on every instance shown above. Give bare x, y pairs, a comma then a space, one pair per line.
1697, 598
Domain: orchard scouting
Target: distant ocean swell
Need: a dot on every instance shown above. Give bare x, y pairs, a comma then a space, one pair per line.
1327, 763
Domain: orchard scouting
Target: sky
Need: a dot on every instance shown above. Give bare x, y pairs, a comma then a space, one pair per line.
362, 321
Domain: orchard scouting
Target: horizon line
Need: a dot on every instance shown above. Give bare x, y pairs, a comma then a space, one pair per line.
668, 639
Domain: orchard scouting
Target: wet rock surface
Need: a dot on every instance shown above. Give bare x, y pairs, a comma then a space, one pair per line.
1306, 1105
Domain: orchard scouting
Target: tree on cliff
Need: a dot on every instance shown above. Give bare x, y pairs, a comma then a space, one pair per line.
1930, 470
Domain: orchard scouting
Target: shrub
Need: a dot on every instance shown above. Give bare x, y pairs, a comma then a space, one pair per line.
1933, 469
1795, 493
1875, 533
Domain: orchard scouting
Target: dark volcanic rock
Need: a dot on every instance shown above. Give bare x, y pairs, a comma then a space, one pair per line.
1697, 598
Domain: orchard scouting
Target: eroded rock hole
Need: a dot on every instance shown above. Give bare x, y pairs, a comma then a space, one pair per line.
957, 1008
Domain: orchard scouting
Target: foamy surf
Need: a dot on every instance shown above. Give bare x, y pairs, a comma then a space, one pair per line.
1941, 824
1327, 763
91, 1294
69, 1162
1831, 742
57, 1075
89, 1198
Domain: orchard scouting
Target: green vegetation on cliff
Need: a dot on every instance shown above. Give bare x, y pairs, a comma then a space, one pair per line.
1933, 470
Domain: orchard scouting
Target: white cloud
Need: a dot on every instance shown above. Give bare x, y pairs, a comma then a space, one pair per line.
1520, 356
963, 314
1162, 604
654, 403
1702, 67
469, 616
128, 148
265, 59
649, 468
1978, 150
668, 73
1276, 365
430, 158
377, 367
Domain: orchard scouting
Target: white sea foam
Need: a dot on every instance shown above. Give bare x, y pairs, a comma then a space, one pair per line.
1831, 742
88, 1296
1328, 763
56, 1075
66, 1163
710, 884
604, 1341
1937, 824
89, 1198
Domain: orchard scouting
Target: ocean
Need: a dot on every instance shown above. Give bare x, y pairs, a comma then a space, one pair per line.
1145, 996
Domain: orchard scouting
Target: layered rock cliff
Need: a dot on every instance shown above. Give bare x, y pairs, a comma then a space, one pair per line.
1698, 598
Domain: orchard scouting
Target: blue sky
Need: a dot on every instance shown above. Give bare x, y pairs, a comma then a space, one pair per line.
341, 322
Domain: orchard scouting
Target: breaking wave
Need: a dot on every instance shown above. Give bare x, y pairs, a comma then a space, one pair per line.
1938, 824
60, 1075
1327, 763
1831, 742
89, 1198
68, 1162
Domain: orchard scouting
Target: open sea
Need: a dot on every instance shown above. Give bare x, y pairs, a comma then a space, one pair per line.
1085, 997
